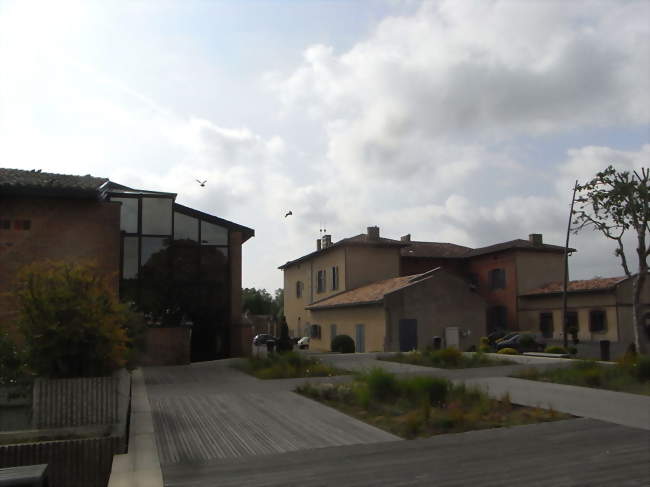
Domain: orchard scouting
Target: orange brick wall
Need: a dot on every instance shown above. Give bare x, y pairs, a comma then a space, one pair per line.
61, 229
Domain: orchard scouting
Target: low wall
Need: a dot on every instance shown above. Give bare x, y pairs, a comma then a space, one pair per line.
93, 410
167, 346
71, 463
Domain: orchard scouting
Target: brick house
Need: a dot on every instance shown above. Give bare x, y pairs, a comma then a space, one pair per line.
176, 263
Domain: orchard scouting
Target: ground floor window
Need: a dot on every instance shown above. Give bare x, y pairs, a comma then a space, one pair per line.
597, 321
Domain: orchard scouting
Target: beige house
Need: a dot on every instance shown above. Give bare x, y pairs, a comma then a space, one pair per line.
355, 287
601, 310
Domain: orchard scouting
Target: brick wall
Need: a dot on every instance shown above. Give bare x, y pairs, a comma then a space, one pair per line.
61, 229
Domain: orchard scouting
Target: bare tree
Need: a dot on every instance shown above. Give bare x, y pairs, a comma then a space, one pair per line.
613, 203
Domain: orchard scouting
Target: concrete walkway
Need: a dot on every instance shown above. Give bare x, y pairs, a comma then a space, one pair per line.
616, 407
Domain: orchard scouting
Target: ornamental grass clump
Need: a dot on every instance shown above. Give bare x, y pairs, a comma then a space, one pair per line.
447, 358
422, 405
287, 365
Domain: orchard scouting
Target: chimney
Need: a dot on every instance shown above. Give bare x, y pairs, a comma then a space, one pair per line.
373, 233
536, 239
318, 244
326, 241
406, 238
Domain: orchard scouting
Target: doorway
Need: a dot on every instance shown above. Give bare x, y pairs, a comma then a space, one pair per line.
408, 335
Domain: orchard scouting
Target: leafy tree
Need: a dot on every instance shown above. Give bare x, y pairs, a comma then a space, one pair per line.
613, 203
12, 361
260, 302
71, 322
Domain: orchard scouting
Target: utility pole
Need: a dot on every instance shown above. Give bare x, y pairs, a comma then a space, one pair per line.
566, 269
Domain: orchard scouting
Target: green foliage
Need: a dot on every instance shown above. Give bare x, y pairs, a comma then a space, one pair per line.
422, 405
484, 345
343, 344
382, 385
631, 374
508, 351
556, 349
448, 358
572, 350
527, 340
13, 368
72, 324
643, 367
287, 365
285, 344
260, 302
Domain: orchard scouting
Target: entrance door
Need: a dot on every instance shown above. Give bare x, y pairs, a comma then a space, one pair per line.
360, 341
408, 335
452, 337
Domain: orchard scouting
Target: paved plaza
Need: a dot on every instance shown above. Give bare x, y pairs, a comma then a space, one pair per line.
215, 425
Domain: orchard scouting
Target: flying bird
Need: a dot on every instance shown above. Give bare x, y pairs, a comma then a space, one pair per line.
288, 213
202, 183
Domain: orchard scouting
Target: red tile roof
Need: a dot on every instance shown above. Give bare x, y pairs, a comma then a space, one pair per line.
587, 285
434, 249
369, 294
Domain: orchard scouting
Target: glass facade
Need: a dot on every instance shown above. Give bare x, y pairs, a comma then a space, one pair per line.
175, 267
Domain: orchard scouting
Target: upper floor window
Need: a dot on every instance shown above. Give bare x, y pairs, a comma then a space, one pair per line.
320, 283
212, 234
186, 227
335, 278
546, 324
497, 279
157, 216
597, 320
299, 286
5, 224
128, 214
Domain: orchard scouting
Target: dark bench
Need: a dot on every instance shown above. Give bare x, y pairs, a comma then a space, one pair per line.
28, 476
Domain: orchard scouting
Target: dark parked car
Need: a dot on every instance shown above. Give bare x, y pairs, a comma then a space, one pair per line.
523, 342
264, 339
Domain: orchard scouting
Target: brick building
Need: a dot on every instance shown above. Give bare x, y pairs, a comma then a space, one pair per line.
179, 265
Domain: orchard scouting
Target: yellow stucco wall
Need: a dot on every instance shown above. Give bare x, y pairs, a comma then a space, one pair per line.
531, 308
370, 264
358, 265
346, 319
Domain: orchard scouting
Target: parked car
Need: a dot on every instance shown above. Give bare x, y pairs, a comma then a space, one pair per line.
523, 342
264, 339
303, 343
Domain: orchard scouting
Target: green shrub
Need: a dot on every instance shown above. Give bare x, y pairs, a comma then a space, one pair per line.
592, 377
527, 340
643, 367
484, 345
448, 356
572, 350
508, 351
382, 385
12, 361
432, 390
71, 322
343, 344
556, 349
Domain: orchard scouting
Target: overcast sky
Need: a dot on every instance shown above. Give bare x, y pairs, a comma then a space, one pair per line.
459, 121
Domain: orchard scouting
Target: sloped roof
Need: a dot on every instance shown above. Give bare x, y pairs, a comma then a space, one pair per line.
372, 293
19, 182
361, 240
515, 244
584, 286
434, 249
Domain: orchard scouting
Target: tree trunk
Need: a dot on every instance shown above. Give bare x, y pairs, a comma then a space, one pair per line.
638, 285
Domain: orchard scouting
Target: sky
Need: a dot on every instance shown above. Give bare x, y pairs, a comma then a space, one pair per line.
454, 121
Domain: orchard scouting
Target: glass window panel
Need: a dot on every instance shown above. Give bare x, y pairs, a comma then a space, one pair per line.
214, 263
128, 214
212, 234
157, 216
185, 227
186, 262
130, 258
153, 252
